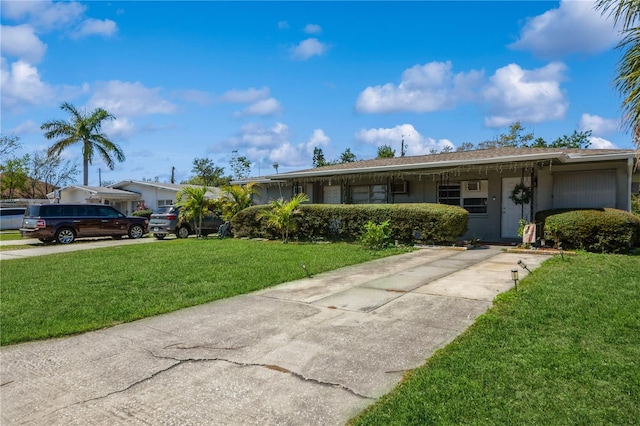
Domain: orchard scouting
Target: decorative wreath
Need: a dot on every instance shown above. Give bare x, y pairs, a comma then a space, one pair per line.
521, 194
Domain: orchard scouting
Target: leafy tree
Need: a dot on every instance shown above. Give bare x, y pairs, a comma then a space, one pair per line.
627, 79
318, 158
347, 156
576, 140
14, 175
194, 205
236, 198
446, 148
208, 174
515, 137
282, 214
84, 129
385, 151
241, 166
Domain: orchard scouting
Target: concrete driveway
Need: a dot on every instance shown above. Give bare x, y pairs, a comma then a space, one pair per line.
311, 352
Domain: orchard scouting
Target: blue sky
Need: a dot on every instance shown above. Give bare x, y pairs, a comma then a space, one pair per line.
273, 80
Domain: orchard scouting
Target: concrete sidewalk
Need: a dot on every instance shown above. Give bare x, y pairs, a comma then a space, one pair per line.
315, 351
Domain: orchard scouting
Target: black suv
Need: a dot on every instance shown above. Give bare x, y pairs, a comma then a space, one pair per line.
64, 223
166, 220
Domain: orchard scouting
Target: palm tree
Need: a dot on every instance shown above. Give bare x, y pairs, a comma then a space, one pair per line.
627, 80
282, 214
85, 129
236, 198
194, 205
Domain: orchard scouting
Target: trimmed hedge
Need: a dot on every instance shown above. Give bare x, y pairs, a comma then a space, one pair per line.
431, 223
143, 213
595, 230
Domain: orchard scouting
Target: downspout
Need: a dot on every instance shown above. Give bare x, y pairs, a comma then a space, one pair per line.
533, 197
630, 166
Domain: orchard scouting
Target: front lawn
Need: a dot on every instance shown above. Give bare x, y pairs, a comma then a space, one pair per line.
57, 295
564, 350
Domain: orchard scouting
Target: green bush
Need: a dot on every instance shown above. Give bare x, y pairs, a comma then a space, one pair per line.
376, 236
594, 230
635, 204
143, 213
431, 223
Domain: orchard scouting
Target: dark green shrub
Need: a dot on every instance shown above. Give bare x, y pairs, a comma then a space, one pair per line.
635, 204
594, 230
376, 236
432, 223
143, 213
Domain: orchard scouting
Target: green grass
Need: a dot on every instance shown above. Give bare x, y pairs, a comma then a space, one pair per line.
564, 350
62, 294
10, 235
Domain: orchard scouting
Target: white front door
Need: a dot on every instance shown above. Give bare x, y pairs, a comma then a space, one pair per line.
512, 212
332, 195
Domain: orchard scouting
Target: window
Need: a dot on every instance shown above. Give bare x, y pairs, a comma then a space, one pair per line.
162, 203
449, 194
297, 189
369, 194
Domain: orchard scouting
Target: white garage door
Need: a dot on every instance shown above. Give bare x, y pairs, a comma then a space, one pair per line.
594, 189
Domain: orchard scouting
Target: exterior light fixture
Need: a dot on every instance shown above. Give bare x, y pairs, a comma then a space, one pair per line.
523, 265
514, 277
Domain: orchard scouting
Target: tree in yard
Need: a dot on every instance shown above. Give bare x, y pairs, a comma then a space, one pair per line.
8, 145
240, 166
466, 146
48, 172
14, 176
627, 79
385, 151
236, 198
208, 174
282, 215
515, 137
85, 129
347, 156
194, 205
318, 158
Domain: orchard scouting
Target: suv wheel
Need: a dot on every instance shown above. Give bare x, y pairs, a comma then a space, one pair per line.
136, 231
183, 232
65, 235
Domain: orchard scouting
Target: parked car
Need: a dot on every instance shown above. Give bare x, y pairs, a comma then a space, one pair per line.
166, 220
64, 223
11, 217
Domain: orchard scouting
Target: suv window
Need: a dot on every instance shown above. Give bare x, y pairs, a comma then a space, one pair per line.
107, 211
11, 211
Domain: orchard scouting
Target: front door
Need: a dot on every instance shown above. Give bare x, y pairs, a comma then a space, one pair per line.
512, 212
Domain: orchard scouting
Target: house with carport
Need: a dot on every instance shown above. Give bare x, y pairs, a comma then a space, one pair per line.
498, 187
126, 196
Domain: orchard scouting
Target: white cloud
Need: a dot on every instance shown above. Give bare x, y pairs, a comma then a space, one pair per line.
312, 29
246, 96
89, 27
531, 96
600, 143
574, 27
122, 128
598, 125
273, 144
44, 15
266, 107
196, 96
21, 84
22, 42
424, 88
415, 143
130, 99
308, 48
26, 127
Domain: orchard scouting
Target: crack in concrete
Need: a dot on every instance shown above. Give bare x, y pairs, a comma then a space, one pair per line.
183, 346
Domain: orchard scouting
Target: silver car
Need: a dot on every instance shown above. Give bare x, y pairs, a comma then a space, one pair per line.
166, 220
11, 217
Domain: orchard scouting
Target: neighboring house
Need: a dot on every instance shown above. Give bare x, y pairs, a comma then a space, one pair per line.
126, 196
481, 181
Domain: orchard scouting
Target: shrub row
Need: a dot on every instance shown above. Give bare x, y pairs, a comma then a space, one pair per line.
594, 230
432, 223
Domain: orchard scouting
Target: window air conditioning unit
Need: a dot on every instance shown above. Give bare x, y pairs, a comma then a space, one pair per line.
400, 187
473, 186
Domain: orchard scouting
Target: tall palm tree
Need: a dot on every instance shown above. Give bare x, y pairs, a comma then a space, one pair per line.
194, 205
85, 129
627, 80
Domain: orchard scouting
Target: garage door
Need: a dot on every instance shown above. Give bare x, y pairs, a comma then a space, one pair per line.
595, 189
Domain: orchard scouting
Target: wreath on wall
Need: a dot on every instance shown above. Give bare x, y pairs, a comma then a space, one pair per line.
521, 194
